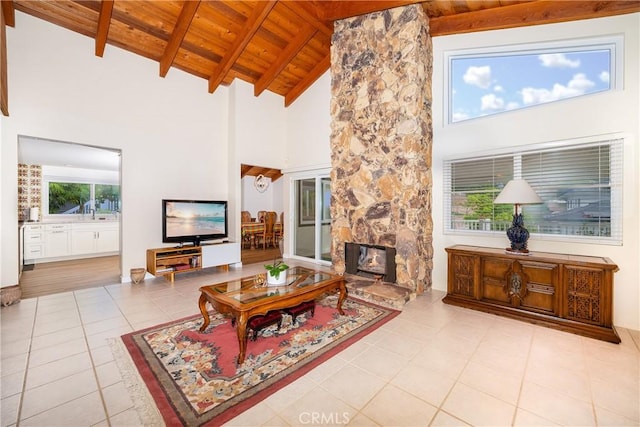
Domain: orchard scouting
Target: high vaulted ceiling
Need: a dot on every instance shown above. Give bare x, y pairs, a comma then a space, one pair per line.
279, 46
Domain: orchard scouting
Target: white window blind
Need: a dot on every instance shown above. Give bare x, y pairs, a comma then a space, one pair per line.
580, 185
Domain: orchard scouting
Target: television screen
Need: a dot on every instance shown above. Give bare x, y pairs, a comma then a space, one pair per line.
193, 220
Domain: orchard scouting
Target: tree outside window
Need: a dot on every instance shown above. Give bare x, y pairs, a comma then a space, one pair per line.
68, 198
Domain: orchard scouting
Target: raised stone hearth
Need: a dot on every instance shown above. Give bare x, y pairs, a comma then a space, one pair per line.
377, 292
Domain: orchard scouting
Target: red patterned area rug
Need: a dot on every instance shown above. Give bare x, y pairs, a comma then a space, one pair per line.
193, 376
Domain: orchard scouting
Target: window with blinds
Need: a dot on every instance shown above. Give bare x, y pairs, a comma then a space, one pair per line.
580, 185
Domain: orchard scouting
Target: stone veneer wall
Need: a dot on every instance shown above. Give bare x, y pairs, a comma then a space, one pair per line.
381, 136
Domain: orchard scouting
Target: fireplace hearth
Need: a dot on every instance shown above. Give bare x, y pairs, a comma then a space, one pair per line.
372, 261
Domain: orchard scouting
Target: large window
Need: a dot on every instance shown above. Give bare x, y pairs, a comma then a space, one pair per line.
489, 81
579, 183
72, 198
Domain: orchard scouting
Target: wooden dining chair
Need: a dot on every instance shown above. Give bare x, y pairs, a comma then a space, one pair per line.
245, 216
269, 220
278, 229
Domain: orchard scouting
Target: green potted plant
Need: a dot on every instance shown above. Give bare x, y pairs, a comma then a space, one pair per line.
276, 273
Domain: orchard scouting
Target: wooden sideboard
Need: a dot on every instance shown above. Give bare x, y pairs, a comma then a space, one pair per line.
572, 293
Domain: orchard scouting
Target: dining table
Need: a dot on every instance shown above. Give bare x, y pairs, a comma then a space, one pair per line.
252, 229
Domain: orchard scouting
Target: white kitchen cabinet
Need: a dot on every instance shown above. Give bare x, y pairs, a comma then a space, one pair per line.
91, 238
83, 240
108, 239
57, 240
34, 240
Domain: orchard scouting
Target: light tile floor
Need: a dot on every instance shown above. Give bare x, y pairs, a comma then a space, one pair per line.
434, 365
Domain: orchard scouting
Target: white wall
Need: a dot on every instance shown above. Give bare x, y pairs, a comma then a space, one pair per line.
172, 132
308, 144
607, 113
309, 128
257, 137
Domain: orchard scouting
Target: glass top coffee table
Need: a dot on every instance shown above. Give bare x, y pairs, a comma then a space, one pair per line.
248, 297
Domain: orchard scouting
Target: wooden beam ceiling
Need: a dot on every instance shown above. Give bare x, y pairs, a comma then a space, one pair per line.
104, 21
281, 46
177, 36
252, 170
527, 14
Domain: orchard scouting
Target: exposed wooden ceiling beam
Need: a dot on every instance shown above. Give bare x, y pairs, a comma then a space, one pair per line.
333, 10
179, 31
532, 13
224, 45
252, 170
9, 13
305, 34
4, 88
104, 22
307, 12
252, 25
308, 80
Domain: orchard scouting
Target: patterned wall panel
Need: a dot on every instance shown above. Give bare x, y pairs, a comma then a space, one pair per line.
29, 189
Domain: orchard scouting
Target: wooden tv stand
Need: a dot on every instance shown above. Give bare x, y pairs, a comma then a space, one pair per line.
169, 261
572, 293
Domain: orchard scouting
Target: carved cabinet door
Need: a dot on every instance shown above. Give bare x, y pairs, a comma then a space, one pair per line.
525, 284
588, 297
496, 273
543, 294
462, 275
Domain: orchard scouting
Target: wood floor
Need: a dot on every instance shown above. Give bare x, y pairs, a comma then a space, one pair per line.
250, 256
63, 276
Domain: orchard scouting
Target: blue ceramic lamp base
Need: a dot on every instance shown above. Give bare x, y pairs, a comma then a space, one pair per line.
518, 236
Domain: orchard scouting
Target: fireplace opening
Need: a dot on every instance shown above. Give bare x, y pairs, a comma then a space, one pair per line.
377, 262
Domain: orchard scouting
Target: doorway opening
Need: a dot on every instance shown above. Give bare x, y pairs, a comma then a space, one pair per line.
261, 198
312, 217
69, 202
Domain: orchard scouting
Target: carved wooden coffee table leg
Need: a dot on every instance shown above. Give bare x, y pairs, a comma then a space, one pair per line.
202, 303
242, 336
342, 297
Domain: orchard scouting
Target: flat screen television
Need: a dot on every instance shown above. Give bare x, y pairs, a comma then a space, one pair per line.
194, 221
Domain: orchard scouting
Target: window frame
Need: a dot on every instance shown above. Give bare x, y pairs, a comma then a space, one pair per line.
615, 142
73, 180
613, 43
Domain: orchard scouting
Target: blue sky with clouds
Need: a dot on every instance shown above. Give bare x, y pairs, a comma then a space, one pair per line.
488, 85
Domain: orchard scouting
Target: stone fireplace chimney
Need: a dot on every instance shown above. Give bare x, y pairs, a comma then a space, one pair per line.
381, 138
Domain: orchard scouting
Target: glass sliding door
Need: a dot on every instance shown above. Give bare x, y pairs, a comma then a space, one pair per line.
325, 219
312, 218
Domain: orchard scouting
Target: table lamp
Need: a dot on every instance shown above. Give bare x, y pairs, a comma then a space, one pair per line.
518, 192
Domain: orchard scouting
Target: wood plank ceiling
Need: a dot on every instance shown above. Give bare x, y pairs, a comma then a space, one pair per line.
278, 46
251, 170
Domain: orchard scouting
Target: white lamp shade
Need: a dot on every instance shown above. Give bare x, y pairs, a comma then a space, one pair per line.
517, 192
